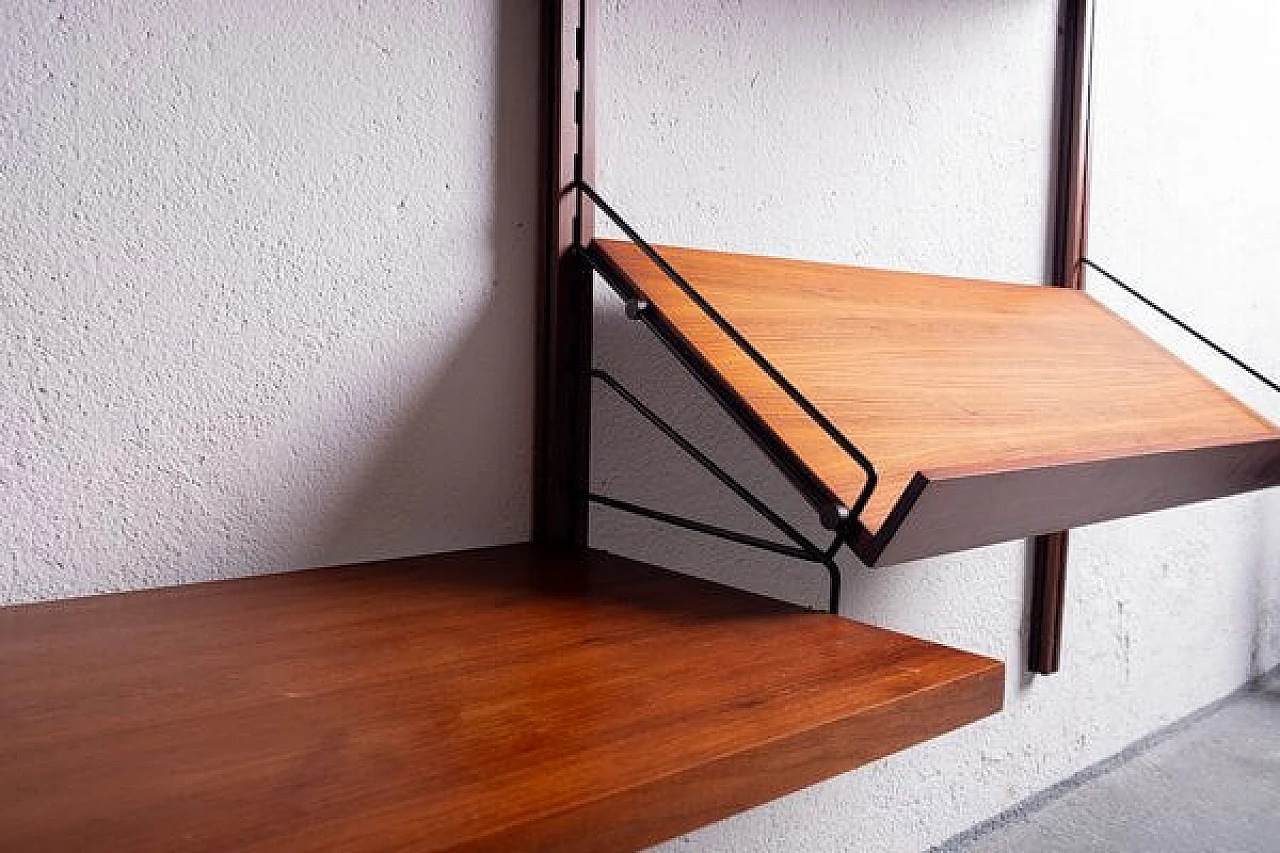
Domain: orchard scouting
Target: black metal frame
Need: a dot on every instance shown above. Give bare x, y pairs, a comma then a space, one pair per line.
837, 515
832, 512
1182, 324
803, 549
824, 501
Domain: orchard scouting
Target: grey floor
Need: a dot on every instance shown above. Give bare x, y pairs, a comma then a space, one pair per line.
1210, 785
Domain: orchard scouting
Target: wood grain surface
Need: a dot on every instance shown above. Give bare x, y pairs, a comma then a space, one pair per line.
931, 375
506, 699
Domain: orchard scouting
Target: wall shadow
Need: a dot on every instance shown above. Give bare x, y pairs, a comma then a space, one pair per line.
630, 459
454, 472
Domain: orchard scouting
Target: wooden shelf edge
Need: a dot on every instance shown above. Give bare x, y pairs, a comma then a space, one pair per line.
947, 511
753, 777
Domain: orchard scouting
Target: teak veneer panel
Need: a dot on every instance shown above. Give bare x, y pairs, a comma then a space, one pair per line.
953, 388
496, 700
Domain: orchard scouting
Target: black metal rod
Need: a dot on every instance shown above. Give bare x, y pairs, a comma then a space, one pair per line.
833, 570
706, 462
833, 596
834, 547
829, 561
703, 527
816, 415
1270, 383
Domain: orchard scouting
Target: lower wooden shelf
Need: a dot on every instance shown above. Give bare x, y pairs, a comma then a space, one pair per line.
501, 699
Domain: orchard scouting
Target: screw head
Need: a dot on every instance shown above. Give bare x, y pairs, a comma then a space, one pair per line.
833, 516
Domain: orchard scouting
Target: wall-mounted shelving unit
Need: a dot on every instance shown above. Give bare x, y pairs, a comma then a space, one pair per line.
548, 696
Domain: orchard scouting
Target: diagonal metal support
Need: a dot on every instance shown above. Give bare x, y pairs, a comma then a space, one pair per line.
803, 549
782, 525
701, 527
837, 517
1183, 325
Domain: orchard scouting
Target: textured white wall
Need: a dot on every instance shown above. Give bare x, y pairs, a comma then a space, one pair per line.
917, 136
266, 276
267, 283
1185, 179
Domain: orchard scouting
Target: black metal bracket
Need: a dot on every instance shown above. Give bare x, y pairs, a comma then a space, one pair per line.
803, 549
835, 515
569, 320
1183, 325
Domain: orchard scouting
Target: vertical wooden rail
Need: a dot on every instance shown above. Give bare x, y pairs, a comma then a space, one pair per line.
564, 393
1071, 226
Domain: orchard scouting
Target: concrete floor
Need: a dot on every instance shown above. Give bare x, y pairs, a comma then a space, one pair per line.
1212, 784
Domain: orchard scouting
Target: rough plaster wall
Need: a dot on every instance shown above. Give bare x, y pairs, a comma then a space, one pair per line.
917, 136
1184, 184
266, 275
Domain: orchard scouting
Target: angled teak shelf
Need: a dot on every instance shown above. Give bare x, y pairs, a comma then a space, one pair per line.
953, 390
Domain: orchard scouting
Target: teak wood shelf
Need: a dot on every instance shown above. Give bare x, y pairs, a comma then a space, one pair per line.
505, 699
951, 388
